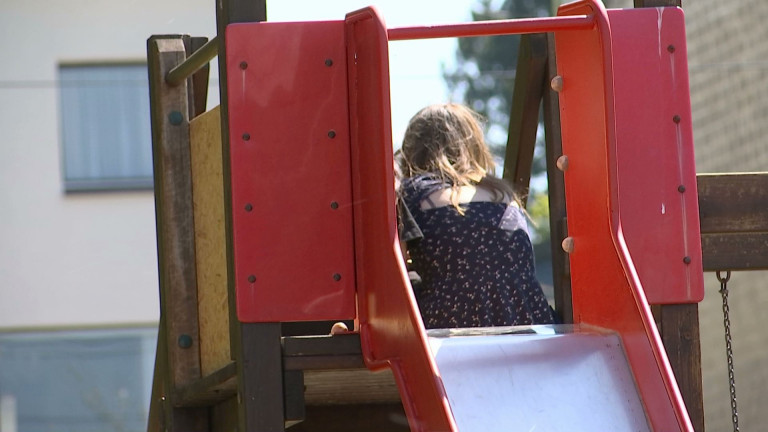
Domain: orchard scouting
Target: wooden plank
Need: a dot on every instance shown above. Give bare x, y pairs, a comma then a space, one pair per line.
210, 240
198, 85
323, 352
735, 251
680, 334
340, 387
558, 225
524, 115
733, 203
210, 390
175, 228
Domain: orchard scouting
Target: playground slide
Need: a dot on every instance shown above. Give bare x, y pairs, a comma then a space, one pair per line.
536, 379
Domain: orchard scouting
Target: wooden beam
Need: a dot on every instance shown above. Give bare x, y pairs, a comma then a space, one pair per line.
733, 203
680, 335
558, 224
255, 347
735, 251
175, 230
198, 85
733, 209
524, 115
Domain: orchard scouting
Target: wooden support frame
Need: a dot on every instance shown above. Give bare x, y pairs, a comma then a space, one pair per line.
178, 359
558, 223
255, 347
524, 116
734, 221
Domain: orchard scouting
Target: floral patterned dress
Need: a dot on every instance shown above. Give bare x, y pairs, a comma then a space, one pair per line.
477, 269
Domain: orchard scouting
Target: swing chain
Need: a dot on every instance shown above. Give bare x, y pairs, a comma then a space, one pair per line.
728, 346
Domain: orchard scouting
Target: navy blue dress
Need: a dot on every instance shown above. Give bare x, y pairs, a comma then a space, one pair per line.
477, 269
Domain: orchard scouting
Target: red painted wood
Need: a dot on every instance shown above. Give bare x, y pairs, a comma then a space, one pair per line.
658, 201
391, 330
289, 169
606, 289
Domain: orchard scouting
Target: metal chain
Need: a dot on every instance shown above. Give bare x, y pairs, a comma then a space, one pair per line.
728, 346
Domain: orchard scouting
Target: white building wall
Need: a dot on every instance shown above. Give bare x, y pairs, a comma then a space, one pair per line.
72, 259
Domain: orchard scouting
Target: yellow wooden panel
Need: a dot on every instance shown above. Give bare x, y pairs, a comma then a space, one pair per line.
210, 256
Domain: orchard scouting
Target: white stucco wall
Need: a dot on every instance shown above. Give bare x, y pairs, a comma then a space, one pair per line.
86, 258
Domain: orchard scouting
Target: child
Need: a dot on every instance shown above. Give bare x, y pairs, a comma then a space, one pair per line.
465, 233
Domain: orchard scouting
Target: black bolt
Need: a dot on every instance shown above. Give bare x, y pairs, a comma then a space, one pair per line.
331, 133
251, 278
243, 65
248, 207
328, 62
671, 48
681, 188
336, 277
676, 118
185, 341
334, 205
175, 117
687, 260
246, 136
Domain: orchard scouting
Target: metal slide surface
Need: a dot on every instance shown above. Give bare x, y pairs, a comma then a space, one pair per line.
537, 379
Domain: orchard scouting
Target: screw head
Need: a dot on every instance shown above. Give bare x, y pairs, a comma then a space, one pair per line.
331, 133
681, 188
248, 207
334, 205
329, 62
251, 278
687, 260
336, 277
557, 83
676, 118
185, 341
671, 48
246, 136
567, 244
243, 65
175, 117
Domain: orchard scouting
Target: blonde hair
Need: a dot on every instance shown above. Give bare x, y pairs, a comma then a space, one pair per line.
447, 140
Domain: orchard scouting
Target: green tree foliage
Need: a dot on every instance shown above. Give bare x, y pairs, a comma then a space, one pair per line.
484, 76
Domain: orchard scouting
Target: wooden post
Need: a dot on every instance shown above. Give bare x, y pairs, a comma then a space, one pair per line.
558, 227
178, 347
524, 115
255, 347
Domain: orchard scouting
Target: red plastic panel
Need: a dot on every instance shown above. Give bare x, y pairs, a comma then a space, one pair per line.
606, 290
391, 330
654, 139
291, 189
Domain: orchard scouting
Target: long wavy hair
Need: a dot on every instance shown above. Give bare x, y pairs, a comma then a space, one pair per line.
446, 140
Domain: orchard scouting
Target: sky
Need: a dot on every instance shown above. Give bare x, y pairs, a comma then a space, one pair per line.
415, 66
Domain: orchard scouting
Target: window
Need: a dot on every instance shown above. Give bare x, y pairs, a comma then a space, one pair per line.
76, 380
105, 125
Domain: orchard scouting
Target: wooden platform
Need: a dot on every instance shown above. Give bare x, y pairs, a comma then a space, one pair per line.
333, 369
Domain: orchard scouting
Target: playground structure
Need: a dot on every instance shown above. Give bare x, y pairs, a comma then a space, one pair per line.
241, 359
